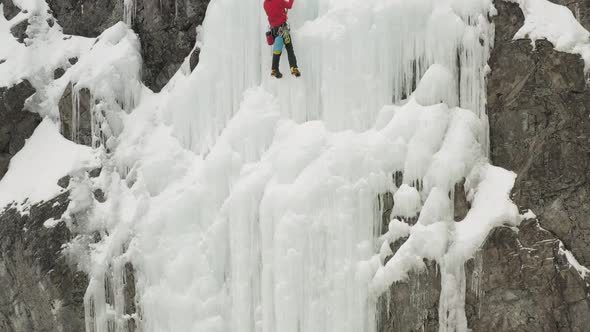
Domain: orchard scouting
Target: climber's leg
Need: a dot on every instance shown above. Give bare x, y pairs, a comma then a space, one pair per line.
291, 56
292, 60
277, 49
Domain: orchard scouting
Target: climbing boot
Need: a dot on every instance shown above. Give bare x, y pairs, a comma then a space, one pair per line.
295, 71
276, 73
276, 58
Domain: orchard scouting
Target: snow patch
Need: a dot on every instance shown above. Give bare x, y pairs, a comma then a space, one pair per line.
582, 270
51, 222
557, 24
46, 157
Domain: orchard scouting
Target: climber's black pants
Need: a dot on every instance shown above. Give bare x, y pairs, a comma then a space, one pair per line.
291, 55
283, 31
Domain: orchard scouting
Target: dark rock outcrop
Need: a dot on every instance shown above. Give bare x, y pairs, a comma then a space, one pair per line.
129, 296
419, 310
10, 10
86, 18
58, 73
194, 59
460, 204
64, 182
167, 29
75, 117
539, 109
522, 281
19, 31
39, 291
13, 99
16, 124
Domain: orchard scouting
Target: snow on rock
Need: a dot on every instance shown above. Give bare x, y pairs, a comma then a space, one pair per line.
434, 87
34, 171
112, 67
50, 223
45, 49
451, 244
458, 154
407, 202
557, 24
436, 208
582, 270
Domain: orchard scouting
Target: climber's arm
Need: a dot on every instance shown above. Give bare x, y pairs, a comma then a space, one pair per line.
289, 4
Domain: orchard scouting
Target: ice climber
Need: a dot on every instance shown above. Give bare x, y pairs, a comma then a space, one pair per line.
279, 35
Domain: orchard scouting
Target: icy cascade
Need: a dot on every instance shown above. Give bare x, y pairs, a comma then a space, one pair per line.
358, 56
247, 204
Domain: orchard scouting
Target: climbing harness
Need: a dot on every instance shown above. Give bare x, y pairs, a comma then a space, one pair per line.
284, 31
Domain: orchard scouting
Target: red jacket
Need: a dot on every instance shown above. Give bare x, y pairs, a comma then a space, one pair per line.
277, 11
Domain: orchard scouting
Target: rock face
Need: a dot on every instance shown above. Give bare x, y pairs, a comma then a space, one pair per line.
419, 309
522, 281
38, 289
16, 124
13, 99
10, 10
539, 104
19, 31
167, 29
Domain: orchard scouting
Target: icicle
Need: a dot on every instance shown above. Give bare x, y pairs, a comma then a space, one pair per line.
451, 311
129, 10
75, 114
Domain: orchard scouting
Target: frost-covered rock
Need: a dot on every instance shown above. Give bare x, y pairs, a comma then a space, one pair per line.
518, 281
167, 29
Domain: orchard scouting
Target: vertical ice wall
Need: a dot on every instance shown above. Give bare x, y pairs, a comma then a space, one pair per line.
357, 56
250, 204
